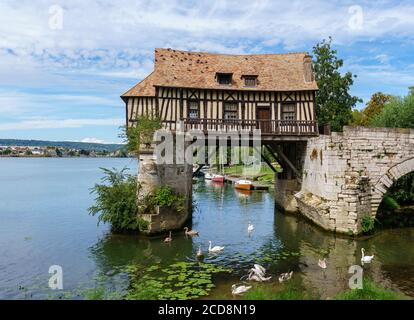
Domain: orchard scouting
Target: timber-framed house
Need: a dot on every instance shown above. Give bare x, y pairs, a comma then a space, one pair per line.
198, 90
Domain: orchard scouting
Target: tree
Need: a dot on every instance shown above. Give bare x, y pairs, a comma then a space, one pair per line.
334, 103
397, 113
374, 107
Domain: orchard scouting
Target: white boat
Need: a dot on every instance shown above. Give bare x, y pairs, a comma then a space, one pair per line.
208, 176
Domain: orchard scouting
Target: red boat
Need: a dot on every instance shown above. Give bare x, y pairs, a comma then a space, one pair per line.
218, 178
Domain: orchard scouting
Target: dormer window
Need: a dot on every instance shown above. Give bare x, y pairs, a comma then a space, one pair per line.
250, 81
224, 78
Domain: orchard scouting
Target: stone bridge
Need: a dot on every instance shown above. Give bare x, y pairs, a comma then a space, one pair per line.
345, 175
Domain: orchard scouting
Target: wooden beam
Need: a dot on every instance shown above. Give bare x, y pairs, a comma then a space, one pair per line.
266, 160
289, 163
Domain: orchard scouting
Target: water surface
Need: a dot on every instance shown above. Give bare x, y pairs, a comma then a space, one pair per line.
44, 222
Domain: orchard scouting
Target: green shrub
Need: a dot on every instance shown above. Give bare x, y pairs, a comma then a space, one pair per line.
367, 224
370, 291
116, 201
397, 113
141, 134
390, 203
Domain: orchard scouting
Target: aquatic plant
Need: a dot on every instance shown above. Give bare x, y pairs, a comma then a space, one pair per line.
370, 291
178, 281
367, 223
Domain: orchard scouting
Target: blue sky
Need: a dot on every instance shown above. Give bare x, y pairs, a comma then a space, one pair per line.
61, 75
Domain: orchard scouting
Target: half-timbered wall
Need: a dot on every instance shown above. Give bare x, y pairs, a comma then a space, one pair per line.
172, 104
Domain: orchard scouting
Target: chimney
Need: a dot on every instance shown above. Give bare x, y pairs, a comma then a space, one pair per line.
307, 69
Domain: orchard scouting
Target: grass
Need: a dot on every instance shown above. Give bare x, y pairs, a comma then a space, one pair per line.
266, 175
292, 290
370, 291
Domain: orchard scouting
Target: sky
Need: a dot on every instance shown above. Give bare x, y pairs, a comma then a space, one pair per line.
64, 64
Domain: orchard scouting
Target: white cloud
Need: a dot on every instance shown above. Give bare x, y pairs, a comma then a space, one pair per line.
93, 140
59, 123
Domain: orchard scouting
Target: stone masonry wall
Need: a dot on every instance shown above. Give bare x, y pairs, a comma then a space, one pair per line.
346, 174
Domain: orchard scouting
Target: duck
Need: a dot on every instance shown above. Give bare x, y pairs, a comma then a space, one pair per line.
200, 254
250, 227
322, 263
366, 259
215, 248
168, 239
190, 233
285, 276
238, 290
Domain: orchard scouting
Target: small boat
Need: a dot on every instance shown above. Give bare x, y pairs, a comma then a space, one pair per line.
208, 176
218, 178
243, 185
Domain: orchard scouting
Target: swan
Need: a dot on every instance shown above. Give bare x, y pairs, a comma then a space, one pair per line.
190, 233
168, 239
237, 290
366, 259
215, 248
259, 269
285, 276
322, 263
200, 253
254, 276
250, 228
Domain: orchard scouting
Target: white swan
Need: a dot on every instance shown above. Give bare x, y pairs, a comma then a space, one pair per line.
237, 290
285, 276
366, 259
322, 263
215, 248
250, 227
254, 276
259, 269
258, 273
168, 239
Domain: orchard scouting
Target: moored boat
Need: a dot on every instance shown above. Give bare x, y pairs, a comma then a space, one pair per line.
243, 185
218, 178
208, 176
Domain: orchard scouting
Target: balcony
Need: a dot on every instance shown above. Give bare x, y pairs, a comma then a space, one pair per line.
268, 127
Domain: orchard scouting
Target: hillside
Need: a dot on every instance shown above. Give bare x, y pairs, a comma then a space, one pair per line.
62, 144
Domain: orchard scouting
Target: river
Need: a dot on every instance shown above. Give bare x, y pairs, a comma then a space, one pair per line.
44, 221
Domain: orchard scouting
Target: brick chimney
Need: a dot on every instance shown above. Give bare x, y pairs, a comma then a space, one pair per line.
307, 69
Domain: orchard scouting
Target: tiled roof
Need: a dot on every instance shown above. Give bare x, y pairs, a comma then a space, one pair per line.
276, 72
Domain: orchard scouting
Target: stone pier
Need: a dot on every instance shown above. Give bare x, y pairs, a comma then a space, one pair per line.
177, 176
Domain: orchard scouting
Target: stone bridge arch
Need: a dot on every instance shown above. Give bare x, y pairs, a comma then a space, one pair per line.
386, 181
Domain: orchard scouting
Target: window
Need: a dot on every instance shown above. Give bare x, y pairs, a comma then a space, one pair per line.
230, 111
289, 111
224, 78
250, 81
193, 109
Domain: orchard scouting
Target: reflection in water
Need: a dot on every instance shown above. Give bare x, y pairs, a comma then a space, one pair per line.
279, 242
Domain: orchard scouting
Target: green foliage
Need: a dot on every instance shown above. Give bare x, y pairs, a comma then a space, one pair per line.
334, 103
397, 113
403, 190
291, 290
390, 203
370, 291
374, 107
141, 134
179, 281
367, 224
116, 201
